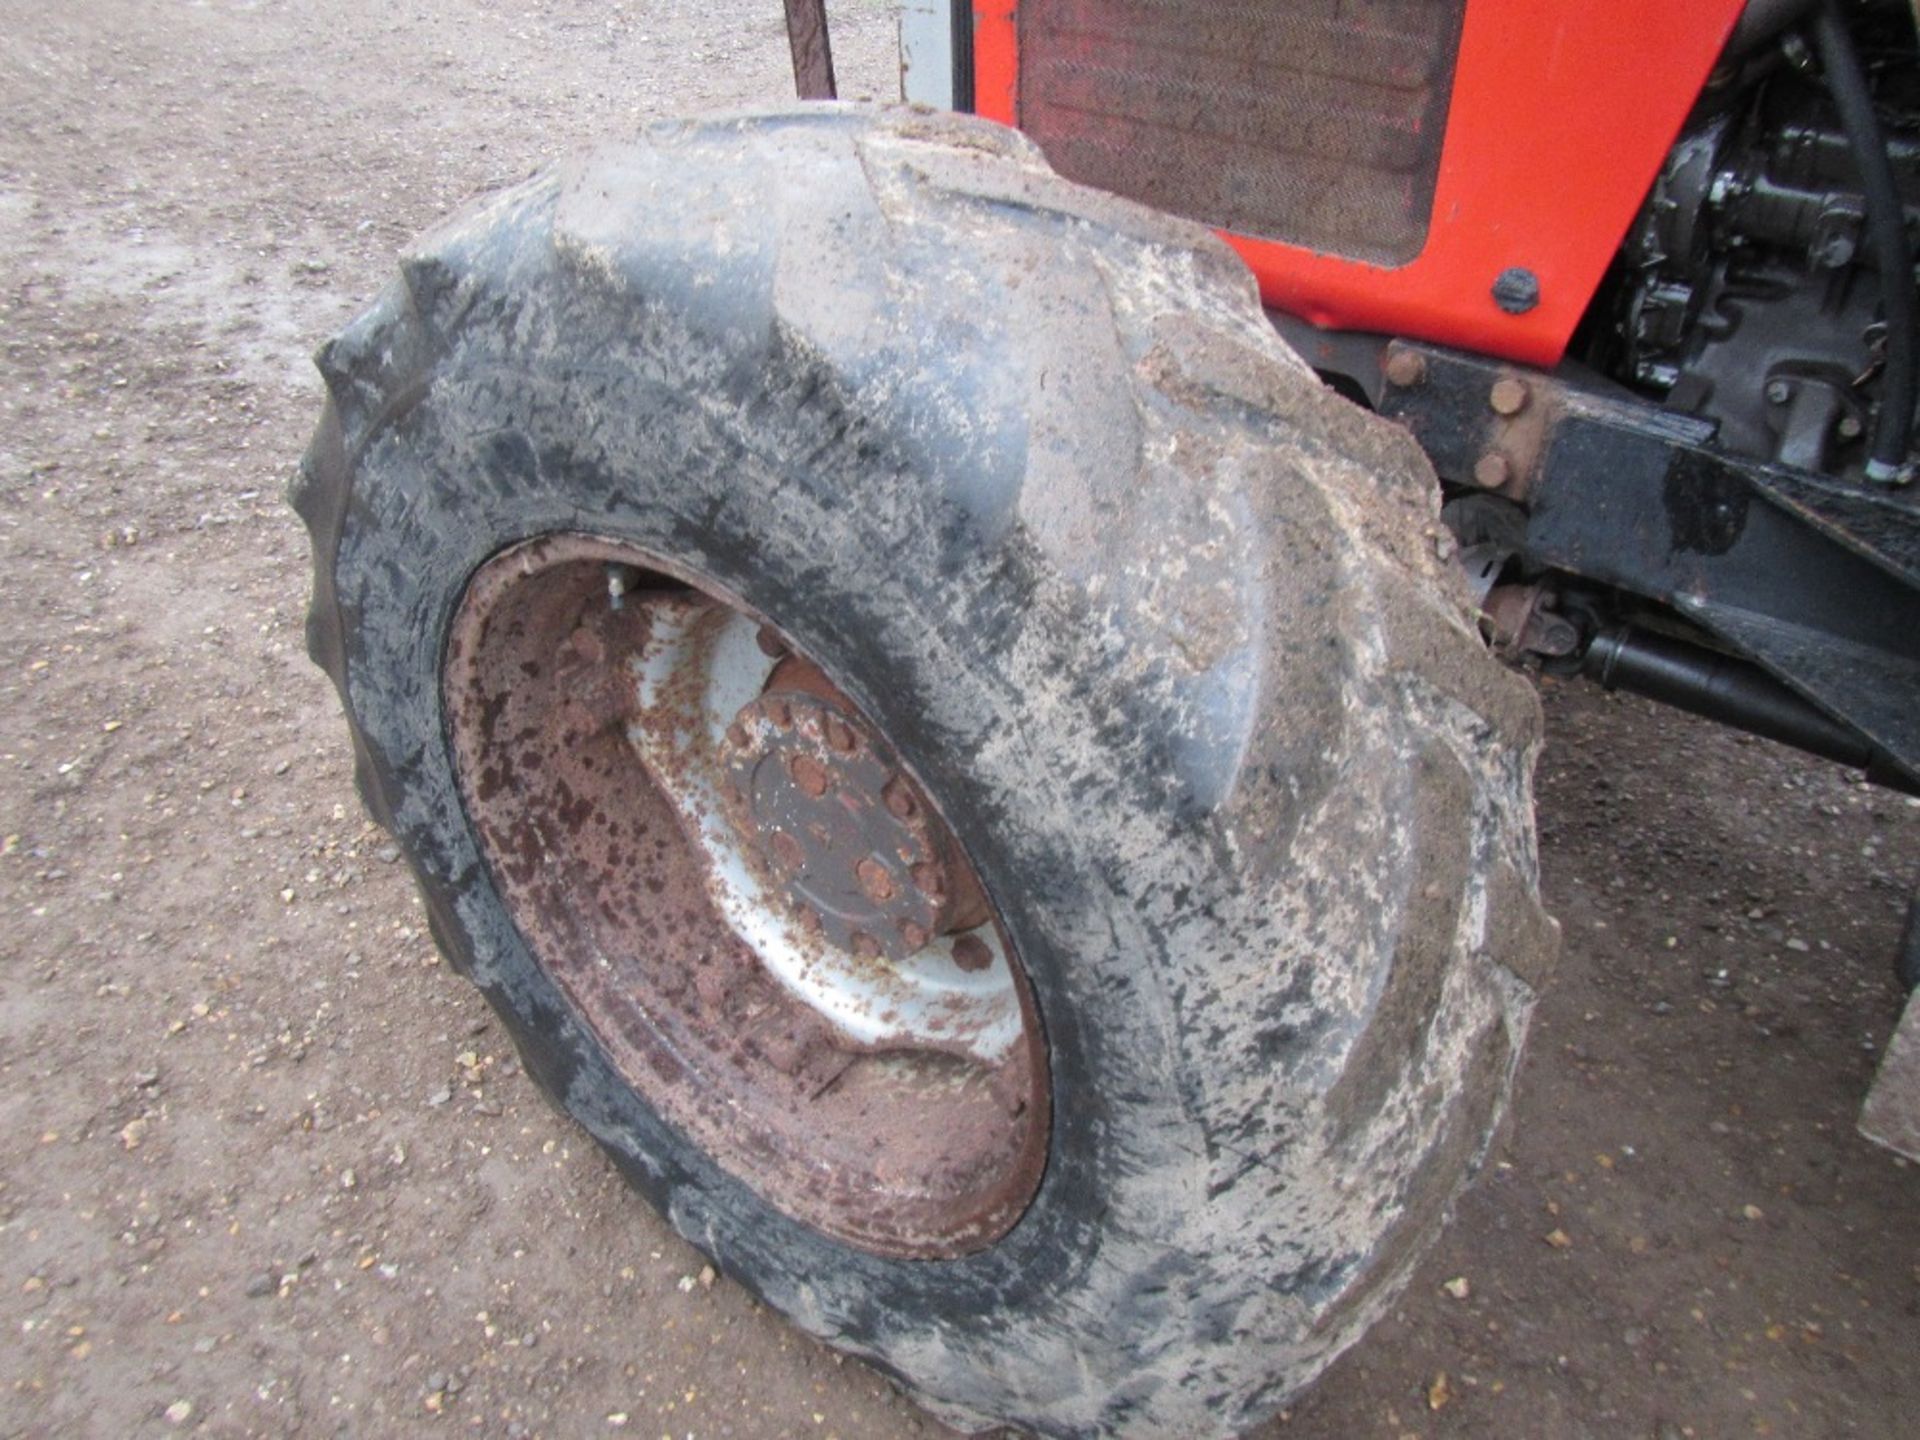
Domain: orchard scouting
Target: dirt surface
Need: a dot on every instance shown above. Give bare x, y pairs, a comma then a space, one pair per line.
266, 1167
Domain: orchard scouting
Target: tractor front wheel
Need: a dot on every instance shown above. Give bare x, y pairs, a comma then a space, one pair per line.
955, 757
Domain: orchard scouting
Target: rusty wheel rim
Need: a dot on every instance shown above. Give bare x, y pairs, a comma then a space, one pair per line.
747, 897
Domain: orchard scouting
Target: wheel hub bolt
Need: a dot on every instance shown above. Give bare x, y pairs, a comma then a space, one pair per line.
810, 775
875, 880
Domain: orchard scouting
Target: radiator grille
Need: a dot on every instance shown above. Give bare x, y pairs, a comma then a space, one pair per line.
1312, 122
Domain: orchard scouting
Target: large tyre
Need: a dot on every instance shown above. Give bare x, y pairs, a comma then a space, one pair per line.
1161, 625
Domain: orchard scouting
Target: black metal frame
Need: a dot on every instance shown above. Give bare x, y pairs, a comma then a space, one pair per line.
1814, 579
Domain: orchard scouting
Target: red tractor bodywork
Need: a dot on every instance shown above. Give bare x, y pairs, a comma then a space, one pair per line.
1560, 116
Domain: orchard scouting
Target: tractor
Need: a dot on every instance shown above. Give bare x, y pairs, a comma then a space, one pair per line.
957, 672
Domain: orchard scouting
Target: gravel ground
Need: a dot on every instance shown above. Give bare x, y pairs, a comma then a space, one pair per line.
266, 1167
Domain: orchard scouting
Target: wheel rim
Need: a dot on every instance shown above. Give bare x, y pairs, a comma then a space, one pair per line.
746, 896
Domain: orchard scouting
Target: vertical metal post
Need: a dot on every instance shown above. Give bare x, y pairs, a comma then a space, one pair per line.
812, 52
936, 53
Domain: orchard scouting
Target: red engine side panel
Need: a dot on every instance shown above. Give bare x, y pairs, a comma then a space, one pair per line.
1562, 111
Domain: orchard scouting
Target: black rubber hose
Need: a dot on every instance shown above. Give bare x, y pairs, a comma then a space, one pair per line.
1721, 688
1733, 692
1886, 229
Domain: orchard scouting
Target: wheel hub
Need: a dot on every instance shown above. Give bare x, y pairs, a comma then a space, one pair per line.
860, 850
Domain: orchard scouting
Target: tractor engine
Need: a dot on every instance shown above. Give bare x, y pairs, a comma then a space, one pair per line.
1746, 293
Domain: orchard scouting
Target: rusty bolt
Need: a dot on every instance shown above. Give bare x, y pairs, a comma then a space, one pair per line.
1491, 470
915, 935
1406, 368
971, 954
899, 797
787, 850
737, 735
874, 879
839, 734
770, 643
1508, 396
809, 774
864, 945
780, 713
931, 880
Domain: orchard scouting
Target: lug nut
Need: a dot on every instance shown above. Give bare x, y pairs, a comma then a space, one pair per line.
915, 936
874, 880
787, 850
864, 945
930, 880
899, 798
809, 774
839, 735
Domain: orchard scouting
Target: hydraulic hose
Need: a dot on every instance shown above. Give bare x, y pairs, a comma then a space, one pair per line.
1886, 229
